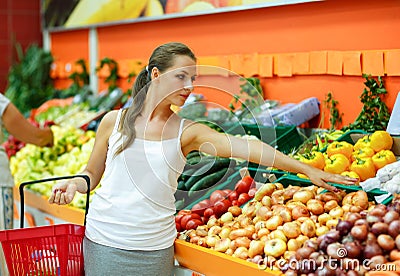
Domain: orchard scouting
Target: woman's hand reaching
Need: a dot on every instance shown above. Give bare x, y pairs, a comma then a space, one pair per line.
320, 178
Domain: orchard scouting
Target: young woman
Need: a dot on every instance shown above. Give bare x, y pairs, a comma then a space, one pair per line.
138, 156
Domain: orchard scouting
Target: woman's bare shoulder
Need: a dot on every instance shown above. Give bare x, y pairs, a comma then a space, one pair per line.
108, 121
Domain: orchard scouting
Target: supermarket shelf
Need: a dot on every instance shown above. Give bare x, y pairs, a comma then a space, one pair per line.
209, 262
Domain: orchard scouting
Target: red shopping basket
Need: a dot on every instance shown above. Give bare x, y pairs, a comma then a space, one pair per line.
45, 250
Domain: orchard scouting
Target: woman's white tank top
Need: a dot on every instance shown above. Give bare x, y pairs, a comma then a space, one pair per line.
134, 207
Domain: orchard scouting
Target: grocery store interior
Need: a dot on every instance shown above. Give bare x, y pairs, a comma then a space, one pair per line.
317, 80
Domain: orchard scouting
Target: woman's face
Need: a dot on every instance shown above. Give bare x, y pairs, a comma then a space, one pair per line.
176, 84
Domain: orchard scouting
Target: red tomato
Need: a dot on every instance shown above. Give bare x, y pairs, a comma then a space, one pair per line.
216, 196
233, 196
227, 192
208, 212
252, 192
235, 202
178, 218
243, 198
193, 223
244, 185
184, 212
221, 207
248, 179
201, 206
178, 227
186, 218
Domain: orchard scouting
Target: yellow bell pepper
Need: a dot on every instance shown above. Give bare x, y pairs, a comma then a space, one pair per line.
314, 158
362, 152
337, 163
382, 158
351, 174
342, 147
363, 142
381, 140
301, 175
364, 167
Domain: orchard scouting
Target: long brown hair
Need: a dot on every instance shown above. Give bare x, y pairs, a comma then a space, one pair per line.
162, 58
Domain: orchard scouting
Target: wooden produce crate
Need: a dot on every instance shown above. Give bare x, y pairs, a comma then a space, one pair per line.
212, 263
39, 202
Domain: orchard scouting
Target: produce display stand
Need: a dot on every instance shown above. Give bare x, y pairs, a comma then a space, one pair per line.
212, 263
40, 203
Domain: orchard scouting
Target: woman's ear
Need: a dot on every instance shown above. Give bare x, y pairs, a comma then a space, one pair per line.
155, 73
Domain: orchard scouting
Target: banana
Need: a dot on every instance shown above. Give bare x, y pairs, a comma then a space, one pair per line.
100, 11
153, 8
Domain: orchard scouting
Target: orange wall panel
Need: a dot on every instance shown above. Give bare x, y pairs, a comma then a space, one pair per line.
338, 25
70, 46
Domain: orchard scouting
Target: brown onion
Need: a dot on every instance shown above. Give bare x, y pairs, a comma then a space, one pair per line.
378, 211
397, 240
386, 242
330, 205
359, 232
372, 249
394, 228
291, 230
344, 227
304, 253
351, 217
379, 228
391, 216
300, 211
303, 196
353, 249
377, 261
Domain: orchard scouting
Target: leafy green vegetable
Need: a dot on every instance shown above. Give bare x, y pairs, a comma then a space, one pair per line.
375, 114
193, 111
29, 82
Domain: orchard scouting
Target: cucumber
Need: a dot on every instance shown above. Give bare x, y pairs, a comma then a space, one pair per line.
181, 185
179, 204
197, 162
187, 173
210, 180
194, 160
207, 169
193, 154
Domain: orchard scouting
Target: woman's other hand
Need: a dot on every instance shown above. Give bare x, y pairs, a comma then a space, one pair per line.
64, 192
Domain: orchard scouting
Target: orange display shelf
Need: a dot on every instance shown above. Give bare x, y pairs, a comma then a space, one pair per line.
66, 213
212, 263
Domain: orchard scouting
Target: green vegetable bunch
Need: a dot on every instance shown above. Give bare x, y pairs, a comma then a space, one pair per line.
250, 96
375, 114
29, 82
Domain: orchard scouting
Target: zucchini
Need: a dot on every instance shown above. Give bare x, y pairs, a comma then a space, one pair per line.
207, 169
210, 180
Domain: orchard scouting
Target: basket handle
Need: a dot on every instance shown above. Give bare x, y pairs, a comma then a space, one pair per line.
22, 185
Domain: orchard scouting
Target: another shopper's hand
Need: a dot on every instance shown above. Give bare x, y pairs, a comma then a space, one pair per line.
64, 192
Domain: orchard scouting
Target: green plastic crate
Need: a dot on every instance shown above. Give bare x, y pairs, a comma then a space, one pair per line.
284, 138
